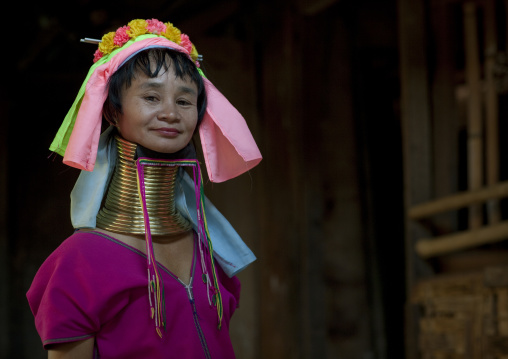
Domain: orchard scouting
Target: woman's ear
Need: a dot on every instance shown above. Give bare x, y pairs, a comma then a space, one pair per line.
112, 119
113, 122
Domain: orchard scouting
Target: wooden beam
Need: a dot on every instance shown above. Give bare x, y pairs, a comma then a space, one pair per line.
459, 200
431, 247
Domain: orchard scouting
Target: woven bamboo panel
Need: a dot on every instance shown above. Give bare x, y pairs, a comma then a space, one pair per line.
464, 316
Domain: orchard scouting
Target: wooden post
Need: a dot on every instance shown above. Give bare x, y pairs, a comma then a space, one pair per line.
474, 128
417, 138
445, 111
491, 108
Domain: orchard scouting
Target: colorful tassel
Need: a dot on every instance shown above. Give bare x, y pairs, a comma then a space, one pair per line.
155, 285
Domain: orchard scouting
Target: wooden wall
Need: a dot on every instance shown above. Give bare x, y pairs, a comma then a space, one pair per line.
453, 95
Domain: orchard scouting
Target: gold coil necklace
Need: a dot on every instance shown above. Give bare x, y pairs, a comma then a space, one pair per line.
122, 212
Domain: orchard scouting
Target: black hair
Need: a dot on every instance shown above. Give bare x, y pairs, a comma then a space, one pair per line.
144, 61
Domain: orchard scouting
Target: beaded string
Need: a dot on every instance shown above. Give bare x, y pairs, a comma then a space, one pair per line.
155, 285
217, 298
203, 227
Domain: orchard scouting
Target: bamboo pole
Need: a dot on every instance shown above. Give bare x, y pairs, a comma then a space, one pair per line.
431, 247
474, 128
459, 200
491, 109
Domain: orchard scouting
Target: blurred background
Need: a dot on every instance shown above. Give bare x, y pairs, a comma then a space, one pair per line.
377, 213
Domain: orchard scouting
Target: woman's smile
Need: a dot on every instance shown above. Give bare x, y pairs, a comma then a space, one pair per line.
168, 132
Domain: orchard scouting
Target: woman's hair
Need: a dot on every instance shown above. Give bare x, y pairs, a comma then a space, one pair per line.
151, 62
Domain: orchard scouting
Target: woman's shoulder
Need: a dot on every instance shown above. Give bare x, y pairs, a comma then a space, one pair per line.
80, 239
84, 239
79, 286
94, 244
91, 263
77, 247
91, 254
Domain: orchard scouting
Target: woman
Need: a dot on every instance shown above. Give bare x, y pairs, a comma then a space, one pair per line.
148, 273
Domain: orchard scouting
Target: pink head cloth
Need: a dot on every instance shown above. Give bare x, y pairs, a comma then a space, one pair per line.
228, 146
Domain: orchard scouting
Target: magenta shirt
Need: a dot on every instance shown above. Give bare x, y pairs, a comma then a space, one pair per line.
93, 285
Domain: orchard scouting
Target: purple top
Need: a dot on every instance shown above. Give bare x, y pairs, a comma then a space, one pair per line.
93, 285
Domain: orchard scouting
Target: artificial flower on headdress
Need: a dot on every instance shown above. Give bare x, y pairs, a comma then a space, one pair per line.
155, 26
137, 27
116, 39
172, 33
186, 43
121, 36
107, 43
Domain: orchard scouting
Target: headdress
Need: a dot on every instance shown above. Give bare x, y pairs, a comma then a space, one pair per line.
228, 146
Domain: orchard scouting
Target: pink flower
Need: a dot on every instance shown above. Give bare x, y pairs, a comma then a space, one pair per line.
186, 43
97, 55
121, 36
155, 26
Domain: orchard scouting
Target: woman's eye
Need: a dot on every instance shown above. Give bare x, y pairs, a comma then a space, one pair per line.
150, 98
183, 102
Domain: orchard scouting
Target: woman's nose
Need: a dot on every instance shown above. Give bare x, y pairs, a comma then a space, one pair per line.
168, 112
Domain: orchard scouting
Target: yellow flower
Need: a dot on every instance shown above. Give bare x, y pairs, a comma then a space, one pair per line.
136, 28
172, 33
107, 43
194, 53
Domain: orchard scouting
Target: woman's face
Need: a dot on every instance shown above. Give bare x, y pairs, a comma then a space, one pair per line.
159, 113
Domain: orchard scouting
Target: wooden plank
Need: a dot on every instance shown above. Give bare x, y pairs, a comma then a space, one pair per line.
496, 276
279, 288
458, 201
496, 345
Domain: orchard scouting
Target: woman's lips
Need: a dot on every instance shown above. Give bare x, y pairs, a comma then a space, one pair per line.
168, 132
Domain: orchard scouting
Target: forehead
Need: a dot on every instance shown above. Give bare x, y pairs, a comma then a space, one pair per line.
165, 68
164, 81
163, 77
